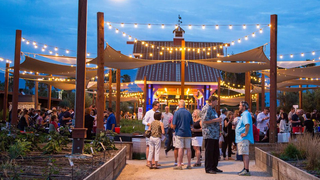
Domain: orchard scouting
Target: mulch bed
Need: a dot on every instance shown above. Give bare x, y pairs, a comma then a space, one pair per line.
302, 165
35, 165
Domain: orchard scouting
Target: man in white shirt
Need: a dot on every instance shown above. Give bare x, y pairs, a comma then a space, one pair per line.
291, 113
147, 120
165, 120
263, 120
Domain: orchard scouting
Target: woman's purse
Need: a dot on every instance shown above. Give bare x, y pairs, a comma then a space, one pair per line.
147, 133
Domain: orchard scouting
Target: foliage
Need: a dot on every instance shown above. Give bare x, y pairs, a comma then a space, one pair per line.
131, 126
106, 138
29, 86
287, 100
55, 144
126, 78
69, 99
19, 149
10, 166
51, 170
6, 140
291, 153
7, 115
87, 148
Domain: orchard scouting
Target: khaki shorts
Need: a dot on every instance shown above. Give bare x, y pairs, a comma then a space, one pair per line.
182, 142
243, 147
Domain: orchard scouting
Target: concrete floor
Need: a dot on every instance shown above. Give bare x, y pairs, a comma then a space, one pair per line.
136, 169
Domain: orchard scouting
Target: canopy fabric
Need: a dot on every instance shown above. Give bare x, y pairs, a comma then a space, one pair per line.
296, 82
296, 89
114, 98
114, 59
32, 76
234, 67
293, 64
231, 101
34, 65
94, 86
64, 59
64, 85
256, 54
280, 77
306, 72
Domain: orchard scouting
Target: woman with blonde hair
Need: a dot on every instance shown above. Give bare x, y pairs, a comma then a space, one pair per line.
197, 135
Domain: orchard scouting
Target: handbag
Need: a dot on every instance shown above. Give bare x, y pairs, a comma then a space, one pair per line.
147, 133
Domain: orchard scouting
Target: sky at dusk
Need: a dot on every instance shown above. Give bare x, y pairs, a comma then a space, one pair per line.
55, 23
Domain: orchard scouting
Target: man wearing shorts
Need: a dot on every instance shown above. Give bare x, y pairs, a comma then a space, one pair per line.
244, 136
182, 121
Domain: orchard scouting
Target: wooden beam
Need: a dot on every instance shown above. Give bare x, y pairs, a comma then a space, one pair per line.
247, 88
183, 52
49, 95
15, 96
263, 95
118, 97
273, 79
6, 88
110, 88
145, 94
100, 81
79, 132
36, 94
219, 93
300, 97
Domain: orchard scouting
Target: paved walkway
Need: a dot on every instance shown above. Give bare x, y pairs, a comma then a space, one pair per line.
136, 169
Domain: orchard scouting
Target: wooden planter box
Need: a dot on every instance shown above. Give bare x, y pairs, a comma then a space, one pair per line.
278, 168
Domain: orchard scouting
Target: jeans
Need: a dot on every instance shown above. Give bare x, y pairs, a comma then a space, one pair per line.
167, 137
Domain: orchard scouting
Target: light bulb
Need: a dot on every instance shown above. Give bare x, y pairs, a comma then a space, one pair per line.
57, 54
239, 40
42, 49
302, 54
253, 34
150, 54
56, 49
291, 55
34, 43
232, 43
142, 42
230, 26
244, 26
88, 54
45, 46
260, 31
176, 26
67, 51
258, 26
135, 40
27, 42
124, 34
108, 23
203, 26
162, 26
217, 26
110, 27
313, 53
36, 46
50, 52
281, 56
190, 26
246, 37
117, 30
209, 49
130, 37
23, 39
122, 24
149, 25
136, 25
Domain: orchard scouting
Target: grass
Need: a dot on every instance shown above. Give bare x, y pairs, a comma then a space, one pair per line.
131, 126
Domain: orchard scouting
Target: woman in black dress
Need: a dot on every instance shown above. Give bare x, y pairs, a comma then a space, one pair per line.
88, 122
24, 120
228, 137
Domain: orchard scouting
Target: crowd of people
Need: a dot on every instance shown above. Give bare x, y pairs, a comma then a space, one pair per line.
51, 120
203, 128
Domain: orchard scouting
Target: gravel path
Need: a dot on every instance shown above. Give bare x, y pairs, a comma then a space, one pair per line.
136, 169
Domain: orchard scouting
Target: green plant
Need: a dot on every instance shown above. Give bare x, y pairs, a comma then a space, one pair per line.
10, 166
51, 170
19, 149
291, 153
106, 138
55, 144
87, 148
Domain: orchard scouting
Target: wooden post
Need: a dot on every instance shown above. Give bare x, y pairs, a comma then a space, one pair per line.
134, 107
263, 95
145, 93
219, 93
118, 97
79, 132
15, 95
247, 88
100, 81
5, 99
257, 102
36, 94
273, 78
300, 97
49, 95
183, 53
110, 88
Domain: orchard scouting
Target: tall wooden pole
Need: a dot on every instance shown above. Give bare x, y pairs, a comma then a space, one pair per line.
36, 95
79, 132
118, 97
219, 93
263, 95
247, 88
49, 95
14, 115
5, 99
145, 94
110, 88
273, 78
300, 97
183, 53
100, 81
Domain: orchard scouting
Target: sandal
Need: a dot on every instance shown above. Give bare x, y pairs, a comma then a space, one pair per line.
197, 165
155, 167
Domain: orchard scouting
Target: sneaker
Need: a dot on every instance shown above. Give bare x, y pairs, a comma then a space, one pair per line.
244, 173
177, 168
241, 171
189, 167
175, 164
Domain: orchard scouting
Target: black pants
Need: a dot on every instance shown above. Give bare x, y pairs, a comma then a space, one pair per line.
227, 144
212, 154
170, 140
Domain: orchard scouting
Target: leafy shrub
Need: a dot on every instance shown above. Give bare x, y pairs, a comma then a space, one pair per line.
106, 138
55, 144
131, 126
19, 149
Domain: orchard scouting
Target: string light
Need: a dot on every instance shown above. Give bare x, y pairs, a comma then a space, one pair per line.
149, 25
203, 26
230, 26
162, 26
258, 26
217, 26
244, 26
190, 26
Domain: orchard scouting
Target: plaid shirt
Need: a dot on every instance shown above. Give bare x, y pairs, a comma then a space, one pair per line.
209, 131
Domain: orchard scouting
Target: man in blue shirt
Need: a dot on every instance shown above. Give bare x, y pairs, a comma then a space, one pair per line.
244, 136
182, 121
111, 121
